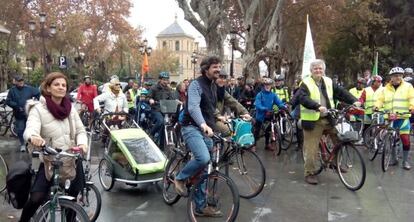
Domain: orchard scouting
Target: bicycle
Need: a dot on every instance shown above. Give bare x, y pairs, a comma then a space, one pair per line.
7, 121
344, 157
4, 169
171, 126
371, 140
89, 197
84, 114
60, 207
281, 131
219, 189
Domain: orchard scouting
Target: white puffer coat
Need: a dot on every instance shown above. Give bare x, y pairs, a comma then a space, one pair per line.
56, 133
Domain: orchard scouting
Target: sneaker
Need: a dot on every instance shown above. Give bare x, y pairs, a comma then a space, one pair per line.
23, 148
180, 187
208, 212
406, 165
393, 162
311, 179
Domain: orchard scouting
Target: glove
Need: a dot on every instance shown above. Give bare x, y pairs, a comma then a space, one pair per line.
269, 114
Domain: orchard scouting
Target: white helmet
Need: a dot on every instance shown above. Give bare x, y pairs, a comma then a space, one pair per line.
408, 70
396, 70
267, 81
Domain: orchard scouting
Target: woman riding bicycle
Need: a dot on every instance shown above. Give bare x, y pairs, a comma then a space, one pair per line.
53, 120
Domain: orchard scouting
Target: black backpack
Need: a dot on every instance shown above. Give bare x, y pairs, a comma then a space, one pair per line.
18, 183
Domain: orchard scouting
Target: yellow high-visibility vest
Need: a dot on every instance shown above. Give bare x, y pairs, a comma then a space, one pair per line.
355, 92
313, 115
398, 100
370, 98
132, 95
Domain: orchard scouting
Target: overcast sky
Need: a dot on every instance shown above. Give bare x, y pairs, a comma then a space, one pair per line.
156, 15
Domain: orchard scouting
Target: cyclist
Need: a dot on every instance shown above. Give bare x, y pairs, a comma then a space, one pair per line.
369, 96
159, 92
264, 102
316, 94
87, 92
114, 100
357, 91
131, 96
225, 103
52, 119
398, 97
197, 129
408, 75
280, 89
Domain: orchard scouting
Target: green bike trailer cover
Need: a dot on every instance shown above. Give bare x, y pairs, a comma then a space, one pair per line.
142, 153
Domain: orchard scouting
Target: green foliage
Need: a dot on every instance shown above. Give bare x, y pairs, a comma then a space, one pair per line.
36, 77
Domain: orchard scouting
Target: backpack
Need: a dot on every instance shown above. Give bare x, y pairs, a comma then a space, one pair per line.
18, 183
243, 135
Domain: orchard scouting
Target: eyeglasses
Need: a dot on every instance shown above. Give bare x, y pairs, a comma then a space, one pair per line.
117, 84
222, 77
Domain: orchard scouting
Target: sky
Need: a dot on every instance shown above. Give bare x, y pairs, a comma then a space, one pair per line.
156, 15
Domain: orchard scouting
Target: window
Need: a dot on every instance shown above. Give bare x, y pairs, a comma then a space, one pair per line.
164, 44
177, 45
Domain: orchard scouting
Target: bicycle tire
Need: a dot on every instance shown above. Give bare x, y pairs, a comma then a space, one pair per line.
4, 169
4, 122
370, 136
387, 146
96, 129
278, 143
106, 169
241, 175
42, 213
13, 131
227, 189
174, 166
348, 170
94, 211
287, 137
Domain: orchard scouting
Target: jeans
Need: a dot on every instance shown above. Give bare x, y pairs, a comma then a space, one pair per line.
20, 127
158, 127
200, 146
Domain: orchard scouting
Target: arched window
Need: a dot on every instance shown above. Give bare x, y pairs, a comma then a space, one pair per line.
177, 45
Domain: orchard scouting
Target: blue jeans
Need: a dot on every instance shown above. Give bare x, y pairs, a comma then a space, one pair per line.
158, 127
200, 146
20, 127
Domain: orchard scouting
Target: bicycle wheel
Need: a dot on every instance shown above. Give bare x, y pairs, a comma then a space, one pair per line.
170, 142
174, 166
106, 174
247, 171
371, 140
286, 136
4, 122
91, 201
276, 141
84, 116
3, 173
350, 167
387, 148
62, 212
219, 193
13, 130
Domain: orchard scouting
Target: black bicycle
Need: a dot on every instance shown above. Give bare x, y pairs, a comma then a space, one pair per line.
7, 121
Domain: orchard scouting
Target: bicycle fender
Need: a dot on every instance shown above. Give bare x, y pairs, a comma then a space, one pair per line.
66, 197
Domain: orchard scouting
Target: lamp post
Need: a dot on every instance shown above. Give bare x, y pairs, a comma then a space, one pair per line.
43, 35
145, 50
194, 62
233, 34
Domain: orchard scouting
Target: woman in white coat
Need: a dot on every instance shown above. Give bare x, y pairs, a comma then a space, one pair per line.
54, 121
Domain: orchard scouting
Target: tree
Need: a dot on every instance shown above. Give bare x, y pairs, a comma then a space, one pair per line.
162, 60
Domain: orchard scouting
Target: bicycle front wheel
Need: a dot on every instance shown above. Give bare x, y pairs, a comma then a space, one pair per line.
286, 135
3, 173
214, 198
388, 145
371, 140
247, 171
173, 167
90, 199
350, 167
65, 210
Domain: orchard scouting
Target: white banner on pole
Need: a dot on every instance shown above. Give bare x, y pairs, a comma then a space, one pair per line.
309, 50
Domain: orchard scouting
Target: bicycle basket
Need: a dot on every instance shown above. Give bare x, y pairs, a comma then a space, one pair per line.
346, 132
168, 106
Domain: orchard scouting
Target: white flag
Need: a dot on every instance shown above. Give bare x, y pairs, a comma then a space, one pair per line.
309, 51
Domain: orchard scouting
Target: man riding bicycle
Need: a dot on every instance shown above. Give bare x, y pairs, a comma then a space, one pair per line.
198, 124
316, 95
398, 97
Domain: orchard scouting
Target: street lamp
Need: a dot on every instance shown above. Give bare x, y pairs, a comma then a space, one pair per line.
43, 34
194, 61
145, 50
233, 34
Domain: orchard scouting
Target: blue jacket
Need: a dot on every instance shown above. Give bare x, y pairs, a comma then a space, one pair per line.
264, 102
16, 99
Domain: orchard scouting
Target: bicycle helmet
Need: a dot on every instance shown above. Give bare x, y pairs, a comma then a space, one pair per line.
396, 70
268, 81
279, 78
144, 92
164, 75
408, 70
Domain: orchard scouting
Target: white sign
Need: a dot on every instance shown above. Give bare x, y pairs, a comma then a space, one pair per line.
308, 52
62, 62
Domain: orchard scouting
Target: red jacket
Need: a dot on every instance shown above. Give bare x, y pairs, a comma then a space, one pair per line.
86, 93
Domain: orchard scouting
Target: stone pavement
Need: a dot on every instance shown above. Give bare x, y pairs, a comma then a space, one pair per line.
384, 197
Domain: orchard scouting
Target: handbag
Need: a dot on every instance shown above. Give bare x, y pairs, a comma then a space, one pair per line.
67, 170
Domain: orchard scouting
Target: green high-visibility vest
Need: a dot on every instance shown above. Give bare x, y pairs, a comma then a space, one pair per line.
313, 115
397, 100
355, 92
370, 98
132, 95
282, 93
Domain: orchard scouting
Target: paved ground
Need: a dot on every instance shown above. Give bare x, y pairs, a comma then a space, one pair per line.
286, 197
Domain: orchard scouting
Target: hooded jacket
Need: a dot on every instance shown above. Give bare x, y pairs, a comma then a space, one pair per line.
264, 102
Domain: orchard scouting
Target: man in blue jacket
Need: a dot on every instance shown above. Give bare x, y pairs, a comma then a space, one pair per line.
16, 99
264, 102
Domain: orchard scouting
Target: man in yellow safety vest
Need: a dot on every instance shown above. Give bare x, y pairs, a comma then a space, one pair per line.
316, 95
397, 97
357, 91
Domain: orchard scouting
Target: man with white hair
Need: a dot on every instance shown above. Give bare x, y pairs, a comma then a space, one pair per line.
316, 95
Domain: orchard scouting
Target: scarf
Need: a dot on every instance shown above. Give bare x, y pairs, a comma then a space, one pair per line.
60, 111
